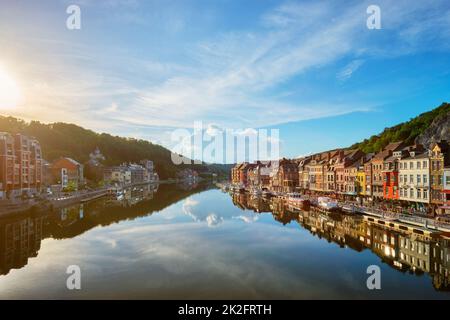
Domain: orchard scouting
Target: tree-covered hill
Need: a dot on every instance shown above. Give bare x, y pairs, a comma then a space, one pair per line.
69, 140
407, 131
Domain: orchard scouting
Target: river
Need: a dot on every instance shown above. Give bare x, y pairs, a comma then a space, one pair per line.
196, 242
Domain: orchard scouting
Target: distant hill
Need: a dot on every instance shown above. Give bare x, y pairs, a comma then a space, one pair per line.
69, 140
426, 128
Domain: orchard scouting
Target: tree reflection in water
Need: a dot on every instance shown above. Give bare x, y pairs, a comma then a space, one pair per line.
21, 235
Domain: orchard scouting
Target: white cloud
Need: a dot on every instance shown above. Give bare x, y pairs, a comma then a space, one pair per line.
231, 79
213, 220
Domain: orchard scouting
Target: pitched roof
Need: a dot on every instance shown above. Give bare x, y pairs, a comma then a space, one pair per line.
393, 146
73, 161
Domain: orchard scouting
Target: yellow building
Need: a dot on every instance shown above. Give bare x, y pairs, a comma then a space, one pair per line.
361, 181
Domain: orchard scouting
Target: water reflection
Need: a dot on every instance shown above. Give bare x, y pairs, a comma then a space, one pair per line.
193, 242
402, 250
21, 235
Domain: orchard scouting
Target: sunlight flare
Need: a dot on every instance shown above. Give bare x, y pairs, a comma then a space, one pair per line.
10, 95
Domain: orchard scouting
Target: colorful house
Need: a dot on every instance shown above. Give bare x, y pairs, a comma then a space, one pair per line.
414, 178
439, 158
378, 167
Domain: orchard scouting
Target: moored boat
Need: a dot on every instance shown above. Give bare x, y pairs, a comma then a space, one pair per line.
266, 193
256, 192
327, 203
296, 200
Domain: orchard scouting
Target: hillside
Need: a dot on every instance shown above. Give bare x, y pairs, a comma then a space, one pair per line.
69, 140
425, 129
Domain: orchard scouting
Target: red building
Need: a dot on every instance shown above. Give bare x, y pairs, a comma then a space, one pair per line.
390, 178
391, 189
20, 166
66, 171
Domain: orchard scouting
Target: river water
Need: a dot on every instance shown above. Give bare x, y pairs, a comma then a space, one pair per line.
196, 242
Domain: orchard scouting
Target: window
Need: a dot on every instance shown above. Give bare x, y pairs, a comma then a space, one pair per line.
418, 164
406, 178
425, 179
411, 178
411, 165
440, 179
419, 194
401, 192
418, 178
411, 193
425, 165
401, 179
425, 194
447, 180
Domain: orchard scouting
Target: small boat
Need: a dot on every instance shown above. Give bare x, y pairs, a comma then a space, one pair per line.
327, 203
390, 218
256, 192
266, 194
350, 208
295, 200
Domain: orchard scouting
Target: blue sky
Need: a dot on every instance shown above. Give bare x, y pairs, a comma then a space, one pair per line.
311, 69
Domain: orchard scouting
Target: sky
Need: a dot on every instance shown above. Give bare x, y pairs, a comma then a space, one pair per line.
312, 70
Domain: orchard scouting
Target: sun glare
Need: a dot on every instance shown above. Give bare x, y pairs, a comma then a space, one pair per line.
9, 91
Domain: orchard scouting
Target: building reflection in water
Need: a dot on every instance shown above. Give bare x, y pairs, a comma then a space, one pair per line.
20, 239
21, 235
400, 249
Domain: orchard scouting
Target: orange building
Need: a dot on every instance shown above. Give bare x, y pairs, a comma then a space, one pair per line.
390, 176
378, 167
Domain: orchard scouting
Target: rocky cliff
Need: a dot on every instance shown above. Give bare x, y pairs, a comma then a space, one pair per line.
426, 128
438, 130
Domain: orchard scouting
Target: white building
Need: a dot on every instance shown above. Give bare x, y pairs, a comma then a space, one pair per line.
414, 177
446, 190
120, 175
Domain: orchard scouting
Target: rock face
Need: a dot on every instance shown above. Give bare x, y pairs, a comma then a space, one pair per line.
438, 130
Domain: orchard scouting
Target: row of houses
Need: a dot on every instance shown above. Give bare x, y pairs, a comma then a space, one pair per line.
131, 173
402, 250
24, 172
399, 174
